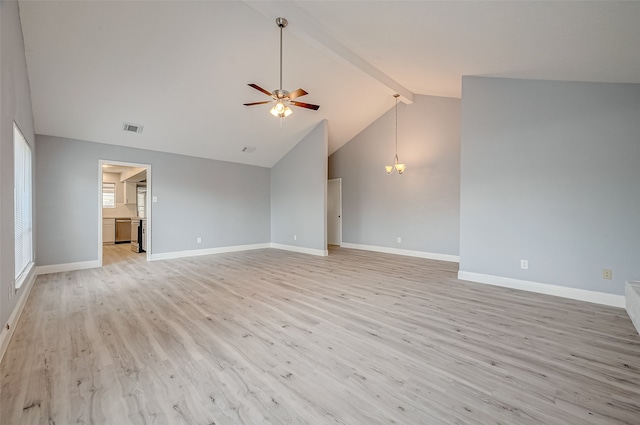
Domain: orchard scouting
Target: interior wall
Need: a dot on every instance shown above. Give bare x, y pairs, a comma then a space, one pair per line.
422, 205
15, 106
226, 204
550, 174
299, 193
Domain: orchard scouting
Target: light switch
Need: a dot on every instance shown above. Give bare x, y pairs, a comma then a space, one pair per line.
155, 199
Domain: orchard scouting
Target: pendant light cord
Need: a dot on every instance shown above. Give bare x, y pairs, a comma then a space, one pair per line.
396, 128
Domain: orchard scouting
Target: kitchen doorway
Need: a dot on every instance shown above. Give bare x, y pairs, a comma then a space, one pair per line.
124, 225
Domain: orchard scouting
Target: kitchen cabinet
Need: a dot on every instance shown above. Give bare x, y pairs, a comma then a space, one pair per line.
130, 192
108, 231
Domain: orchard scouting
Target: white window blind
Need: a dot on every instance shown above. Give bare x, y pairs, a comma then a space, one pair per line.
22, 191
108, 195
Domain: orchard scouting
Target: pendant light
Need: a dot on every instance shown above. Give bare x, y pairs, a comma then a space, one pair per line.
396, 165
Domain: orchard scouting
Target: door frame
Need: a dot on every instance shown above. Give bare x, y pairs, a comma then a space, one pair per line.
148, 208
339, 181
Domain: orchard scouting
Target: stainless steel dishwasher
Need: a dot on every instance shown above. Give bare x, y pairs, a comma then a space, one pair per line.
123, 230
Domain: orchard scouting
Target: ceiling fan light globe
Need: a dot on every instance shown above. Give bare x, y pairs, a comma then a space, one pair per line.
401, 168
389, 168
287, 111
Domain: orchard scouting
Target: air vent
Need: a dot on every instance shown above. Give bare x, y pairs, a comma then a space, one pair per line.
134, 128
248, 149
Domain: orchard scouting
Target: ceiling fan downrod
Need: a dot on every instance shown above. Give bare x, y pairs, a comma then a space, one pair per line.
282, 23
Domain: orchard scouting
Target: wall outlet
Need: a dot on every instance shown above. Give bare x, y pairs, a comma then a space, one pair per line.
524, 264
295, 237
199, 240
607, 274
399, 239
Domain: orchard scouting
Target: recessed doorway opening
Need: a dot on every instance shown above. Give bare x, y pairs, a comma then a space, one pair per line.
125, 212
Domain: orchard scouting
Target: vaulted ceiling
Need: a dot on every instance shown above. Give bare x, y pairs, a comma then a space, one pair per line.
181, 68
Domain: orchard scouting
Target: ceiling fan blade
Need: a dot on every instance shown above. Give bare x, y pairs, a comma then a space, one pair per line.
257, 87
257, 103
297, 93
305, 105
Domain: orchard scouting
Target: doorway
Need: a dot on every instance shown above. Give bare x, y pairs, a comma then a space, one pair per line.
124, 225
334, 212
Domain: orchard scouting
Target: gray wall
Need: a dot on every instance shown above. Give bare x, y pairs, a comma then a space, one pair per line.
15, 106
299, 193
226, 204
422, 205
550, 173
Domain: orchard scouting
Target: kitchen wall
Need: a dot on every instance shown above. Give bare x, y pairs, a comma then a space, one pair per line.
550, 174
422, 206
226, 204
15, 106
299, 195
121, 209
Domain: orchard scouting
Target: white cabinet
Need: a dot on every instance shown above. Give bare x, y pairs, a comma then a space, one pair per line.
108, 231
130, 192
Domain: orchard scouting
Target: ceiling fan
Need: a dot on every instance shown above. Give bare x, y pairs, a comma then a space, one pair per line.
282, 97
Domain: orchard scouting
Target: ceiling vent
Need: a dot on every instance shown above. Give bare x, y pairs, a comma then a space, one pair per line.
134, 128
248, 149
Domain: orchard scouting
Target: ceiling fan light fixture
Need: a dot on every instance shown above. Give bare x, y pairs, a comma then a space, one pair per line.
283, 98
281, 110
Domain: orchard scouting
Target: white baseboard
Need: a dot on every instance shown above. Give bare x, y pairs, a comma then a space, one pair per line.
67, 267
407, 252
6, 334
207, 251
545, 288
303, 250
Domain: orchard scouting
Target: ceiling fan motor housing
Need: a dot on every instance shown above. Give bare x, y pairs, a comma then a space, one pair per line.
280, 94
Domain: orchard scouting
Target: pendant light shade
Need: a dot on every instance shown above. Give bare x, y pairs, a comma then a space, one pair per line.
397, 166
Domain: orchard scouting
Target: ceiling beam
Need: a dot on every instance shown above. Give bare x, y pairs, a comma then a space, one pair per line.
307, 29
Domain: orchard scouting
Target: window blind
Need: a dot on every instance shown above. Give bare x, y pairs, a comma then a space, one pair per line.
108, 195
22, 191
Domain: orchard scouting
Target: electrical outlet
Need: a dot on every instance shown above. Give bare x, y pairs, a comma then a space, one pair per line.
524, 264
607, 274
199, 240
295, 237
399, 239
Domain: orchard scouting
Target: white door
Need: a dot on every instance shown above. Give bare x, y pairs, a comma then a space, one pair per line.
334, 212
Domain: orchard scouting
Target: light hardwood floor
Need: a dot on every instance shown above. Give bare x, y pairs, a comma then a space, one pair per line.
273, 337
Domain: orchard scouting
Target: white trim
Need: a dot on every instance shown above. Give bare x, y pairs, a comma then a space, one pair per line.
301, 249
6, 334
406, 252
25, 275
207, 251
545, 288
68, 267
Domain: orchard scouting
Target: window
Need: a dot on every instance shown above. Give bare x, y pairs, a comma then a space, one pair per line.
108, 195
141, 200
22, 196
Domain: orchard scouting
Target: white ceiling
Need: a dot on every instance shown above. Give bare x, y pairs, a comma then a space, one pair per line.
181, 68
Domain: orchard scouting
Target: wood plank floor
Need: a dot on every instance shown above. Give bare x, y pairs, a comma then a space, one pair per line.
273, 337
